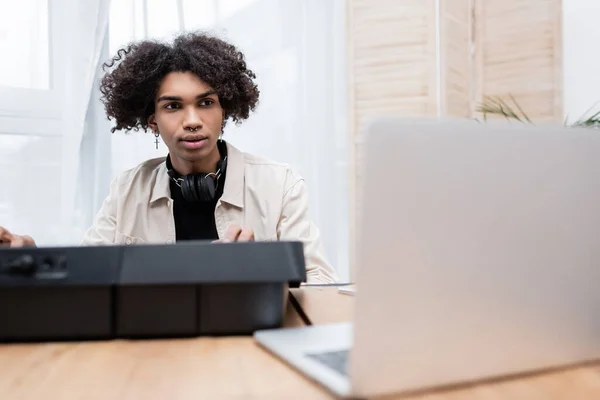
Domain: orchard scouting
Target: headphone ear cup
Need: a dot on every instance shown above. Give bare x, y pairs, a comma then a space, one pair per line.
184, 187
197, 187
187, 188
201, 187
207, 188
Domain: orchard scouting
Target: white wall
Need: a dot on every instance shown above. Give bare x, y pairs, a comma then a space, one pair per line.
581, 59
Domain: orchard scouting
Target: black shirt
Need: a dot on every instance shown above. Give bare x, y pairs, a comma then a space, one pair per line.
195, 220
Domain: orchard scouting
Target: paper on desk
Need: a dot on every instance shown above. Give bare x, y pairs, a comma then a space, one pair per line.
349, 290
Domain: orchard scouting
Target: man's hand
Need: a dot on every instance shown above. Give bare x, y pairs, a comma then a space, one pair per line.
11, 240
236, 233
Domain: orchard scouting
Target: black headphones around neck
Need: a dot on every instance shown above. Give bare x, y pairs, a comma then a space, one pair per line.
199, 187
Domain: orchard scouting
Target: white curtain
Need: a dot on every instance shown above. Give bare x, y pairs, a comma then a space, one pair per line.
297, 51
581, 80
44, 98
83, 38
296, 48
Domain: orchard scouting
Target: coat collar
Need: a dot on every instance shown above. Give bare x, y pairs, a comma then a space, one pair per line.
233, 192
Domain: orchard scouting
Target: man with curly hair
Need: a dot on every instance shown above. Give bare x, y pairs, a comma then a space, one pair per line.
205, 189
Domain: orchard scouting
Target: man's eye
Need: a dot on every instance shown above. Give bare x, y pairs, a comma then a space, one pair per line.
206, 102
172, 106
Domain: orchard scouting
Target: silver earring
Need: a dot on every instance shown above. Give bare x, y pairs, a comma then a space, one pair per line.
156, 135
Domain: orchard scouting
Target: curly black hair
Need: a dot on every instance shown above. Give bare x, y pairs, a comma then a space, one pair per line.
129, 89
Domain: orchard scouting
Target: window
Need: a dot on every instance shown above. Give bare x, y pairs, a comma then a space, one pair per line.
30, 167
30, 121
27, 81
24, 35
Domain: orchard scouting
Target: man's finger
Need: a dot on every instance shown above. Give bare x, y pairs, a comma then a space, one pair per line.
5, 235
17, 241
232, 233
28, 240
247, 235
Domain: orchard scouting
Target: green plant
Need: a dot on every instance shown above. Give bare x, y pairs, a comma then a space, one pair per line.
497, 106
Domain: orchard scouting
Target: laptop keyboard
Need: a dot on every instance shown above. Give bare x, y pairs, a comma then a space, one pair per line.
336, 360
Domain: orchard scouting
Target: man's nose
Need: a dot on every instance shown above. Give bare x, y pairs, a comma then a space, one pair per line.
192, 120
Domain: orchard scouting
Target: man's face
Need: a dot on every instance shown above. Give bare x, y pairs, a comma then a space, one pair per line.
189, 118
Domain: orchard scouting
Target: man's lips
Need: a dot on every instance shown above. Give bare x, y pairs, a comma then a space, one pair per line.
193, 138
193, 141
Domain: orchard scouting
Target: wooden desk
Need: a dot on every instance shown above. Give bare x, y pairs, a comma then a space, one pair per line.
223, 368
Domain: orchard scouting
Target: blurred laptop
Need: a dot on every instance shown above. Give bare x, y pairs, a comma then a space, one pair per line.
479, 257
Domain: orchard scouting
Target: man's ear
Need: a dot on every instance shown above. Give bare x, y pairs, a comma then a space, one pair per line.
223, 122
152, 123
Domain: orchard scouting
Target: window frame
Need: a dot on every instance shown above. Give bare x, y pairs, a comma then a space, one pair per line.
25, 111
